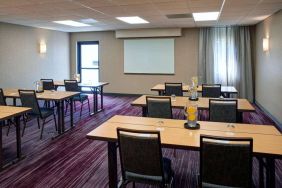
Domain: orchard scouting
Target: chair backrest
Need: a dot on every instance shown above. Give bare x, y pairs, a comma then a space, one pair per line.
71, 85
2, 98
211, 90
29, 99
173, 89
48, 84
159, 107
140, 155
223, 110
225, 161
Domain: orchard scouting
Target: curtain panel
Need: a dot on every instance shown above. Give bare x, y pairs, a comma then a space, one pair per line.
225, 58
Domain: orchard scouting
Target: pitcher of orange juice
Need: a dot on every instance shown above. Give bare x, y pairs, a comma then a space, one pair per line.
191, 113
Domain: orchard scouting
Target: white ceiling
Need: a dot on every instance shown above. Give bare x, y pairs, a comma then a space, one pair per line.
41, 13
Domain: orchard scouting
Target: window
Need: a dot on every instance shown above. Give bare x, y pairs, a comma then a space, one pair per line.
225, 63
88, 61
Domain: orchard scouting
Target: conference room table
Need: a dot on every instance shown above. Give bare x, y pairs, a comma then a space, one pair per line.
6, 113
96, 89
267, 140
203, 104
58, 96
225, 90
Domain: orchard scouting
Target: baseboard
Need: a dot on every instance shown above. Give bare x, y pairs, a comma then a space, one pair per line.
123, 94
116, 94
278, 124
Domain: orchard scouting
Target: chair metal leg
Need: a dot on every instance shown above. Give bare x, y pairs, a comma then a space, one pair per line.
124, 184
133, 184
24, 121
9, 126
42, 129
81, 109
88, 105
38, 123
74, 106
66, 108
54, 116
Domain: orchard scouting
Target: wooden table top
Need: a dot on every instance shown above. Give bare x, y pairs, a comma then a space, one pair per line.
7, 112
185, 88
177, 137
46, 95
203, 103
207, 125
96, 84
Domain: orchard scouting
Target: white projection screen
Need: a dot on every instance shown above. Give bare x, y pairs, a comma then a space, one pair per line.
149, 56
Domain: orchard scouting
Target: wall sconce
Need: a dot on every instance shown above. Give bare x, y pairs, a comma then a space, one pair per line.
42, 47
265, 44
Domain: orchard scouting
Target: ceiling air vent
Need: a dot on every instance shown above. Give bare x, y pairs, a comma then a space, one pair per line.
177, 16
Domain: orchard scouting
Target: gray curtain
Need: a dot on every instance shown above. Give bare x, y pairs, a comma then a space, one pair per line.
225, 58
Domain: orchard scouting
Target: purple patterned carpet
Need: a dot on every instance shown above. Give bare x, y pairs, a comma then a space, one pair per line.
74, 161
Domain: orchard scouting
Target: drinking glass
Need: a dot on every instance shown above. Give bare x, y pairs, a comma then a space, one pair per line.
191, 113
194, 81
194, 92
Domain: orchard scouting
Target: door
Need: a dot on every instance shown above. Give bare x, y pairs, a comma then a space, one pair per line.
88, 61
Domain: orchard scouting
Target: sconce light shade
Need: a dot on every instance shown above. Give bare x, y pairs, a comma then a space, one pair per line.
265, 44
42, 47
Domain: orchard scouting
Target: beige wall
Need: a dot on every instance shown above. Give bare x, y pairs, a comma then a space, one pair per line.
268, 69
111, 62
20, 62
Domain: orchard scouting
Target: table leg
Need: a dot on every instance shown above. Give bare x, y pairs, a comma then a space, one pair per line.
261, 171
71, 112
18, 134
95, 101
60, 115
160, 92
112, 164
144, 111
102, 96
63, 116
14, 101
270, 175
240, 117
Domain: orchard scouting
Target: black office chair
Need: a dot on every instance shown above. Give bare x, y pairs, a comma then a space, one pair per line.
223, 110
159, 107
173, 89
3, 103
72, 85
2, 98
29, 99
211, 90
48, 84
225, 162
141, 158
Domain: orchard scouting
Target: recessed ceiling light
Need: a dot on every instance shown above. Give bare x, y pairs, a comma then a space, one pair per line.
71, 23
205, 16
132, 20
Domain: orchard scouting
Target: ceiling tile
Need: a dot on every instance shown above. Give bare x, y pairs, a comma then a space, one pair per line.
41, 13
